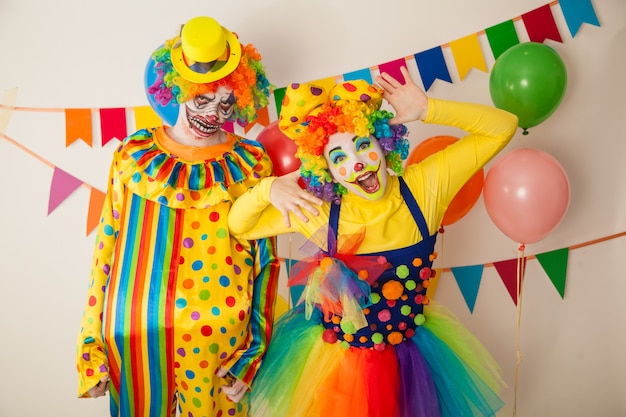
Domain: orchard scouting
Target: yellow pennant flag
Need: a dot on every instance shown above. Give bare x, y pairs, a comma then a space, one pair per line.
8, 101
146, 117
468, 54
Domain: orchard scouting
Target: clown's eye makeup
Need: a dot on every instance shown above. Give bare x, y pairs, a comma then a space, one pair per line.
361, 144
336, 156
226, 107
202, 100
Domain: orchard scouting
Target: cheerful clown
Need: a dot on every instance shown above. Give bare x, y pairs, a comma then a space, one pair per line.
179, 311
364, 339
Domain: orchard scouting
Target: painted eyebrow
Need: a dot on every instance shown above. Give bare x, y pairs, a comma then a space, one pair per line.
339, 147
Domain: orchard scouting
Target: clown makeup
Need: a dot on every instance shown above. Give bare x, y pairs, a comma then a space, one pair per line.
206, 113
357, 163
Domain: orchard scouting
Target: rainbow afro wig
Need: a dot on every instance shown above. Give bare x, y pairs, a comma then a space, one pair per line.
309, 116
245, 75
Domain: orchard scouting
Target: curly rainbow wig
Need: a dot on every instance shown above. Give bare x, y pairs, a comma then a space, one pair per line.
309, 116
248, 81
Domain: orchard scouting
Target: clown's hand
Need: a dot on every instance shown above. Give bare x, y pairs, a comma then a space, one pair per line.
408, 100
287, 196
232, 387
100, 388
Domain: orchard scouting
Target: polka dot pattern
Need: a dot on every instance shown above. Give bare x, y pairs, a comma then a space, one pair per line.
397, 303
189, 289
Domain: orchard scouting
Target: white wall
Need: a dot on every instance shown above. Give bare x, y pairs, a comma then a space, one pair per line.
91, 54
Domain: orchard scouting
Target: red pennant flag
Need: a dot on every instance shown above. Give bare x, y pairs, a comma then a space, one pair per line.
393, 68
63, 184
508, 273
78, 126
540, 25
96, 201
113, 124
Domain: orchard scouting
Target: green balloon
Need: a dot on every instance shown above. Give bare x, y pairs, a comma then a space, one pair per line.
528, 80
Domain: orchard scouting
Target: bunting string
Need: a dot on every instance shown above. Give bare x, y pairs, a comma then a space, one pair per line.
468, 277
467, 54
431, 65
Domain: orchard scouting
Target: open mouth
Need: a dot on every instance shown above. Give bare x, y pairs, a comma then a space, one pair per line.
368, 181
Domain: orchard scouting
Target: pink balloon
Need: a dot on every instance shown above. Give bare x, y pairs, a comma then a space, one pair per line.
526, 194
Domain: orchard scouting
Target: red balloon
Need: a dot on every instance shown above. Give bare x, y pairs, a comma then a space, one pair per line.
467, 196
280, 148
526, 194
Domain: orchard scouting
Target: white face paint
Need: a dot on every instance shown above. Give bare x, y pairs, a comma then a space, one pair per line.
357, 163
207, 113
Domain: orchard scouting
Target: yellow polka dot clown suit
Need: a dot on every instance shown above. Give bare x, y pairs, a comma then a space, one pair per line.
173, 296
365, 339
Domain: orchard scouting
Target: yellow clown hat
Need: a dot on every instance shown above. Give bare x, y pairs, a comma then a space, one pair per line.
206, 51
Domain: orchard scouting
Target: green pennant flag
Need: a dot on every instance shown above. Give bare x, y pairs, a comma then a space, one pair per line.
555, 265
501, 37
279, 94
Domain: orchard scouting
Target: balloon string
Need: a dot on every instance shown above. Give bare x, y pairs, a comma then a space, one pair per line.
520, 274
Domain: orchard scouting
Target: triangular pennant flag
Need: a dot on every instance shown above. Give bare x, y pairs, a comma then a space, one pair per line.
279, 93
467, 55
555, 265
146, 118
468, 279
63, 184
262, 118
96, 201
280, 308
433, 283
577, 12
295, 291
113, 124
78, 126
362, 74
508, 273
393, 68
432, 65
540, 25
8, 99
229, 127
501, 37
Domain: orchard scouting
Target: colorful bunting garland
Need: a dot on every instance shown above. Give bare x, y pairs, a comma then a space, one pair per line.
431, 65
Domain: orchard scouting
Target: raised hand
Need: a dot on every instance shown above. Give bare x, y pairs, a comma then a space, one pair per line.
408, 100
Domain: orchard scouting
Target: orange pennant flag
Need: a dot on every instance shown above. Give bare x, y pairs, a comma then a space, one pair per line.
78, 126
146, 118
433, 282
96, 201
467, 55
263, 118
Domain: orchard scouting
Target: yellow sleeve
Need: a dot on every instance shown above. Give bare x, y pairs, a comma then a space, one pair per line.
252, 216
91, 360
436, 180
